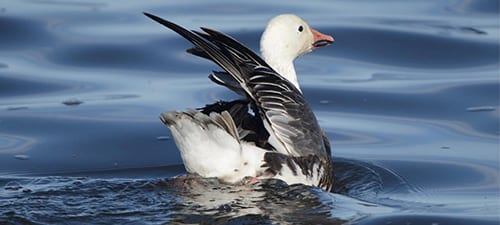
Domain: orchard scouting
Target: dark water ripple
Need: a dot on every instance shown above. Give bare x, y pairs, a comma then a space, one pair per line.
125, 56
396, 48
19, 33
13, 86
408, 94
482, 7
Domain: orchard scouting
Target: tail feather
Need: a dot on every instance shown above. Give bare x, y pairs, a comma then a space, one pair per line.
226, 122
222, 120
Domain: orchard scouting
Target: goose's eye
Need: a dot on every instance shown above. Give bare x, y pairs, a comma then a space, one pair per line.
301, 28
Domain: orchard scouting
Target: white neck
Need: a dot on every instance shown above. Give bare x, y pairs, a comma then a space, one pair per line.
282, 65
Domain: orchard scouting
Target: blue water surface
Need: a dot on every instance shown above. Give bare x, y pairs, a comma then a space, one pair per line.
408, 95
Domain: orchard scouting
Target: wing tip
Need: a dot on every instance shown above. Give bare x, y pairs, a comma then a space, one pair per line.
151, 16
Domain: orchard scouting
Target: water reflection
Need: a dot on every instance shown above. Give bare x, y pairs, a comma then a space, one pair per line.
181, 200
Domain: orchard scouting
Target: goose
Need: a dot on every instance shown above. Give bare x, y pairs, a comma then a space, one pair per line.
272, 131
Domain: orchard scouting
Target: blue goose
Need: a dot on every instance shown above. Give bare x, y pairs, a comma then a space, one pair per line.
272, 131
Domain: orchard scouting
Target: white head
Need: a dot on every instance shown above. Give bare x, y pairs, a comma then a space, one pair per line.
287, 37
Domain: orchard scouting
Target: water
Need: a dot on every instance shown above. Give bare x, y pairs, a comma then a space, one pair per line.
408, 94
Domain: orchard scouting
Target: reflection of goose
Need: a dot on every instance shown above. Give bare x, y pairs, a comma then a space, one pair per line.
273, 133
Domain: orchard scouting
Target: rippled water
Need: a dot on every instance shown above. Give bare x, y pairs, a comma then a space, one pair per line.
408, 94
